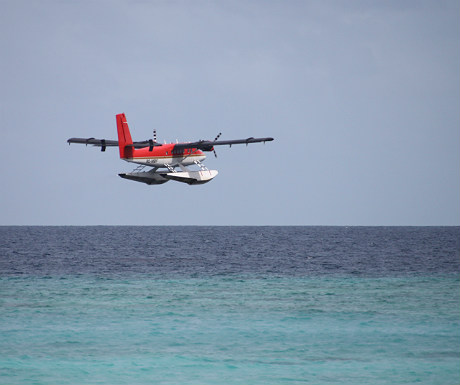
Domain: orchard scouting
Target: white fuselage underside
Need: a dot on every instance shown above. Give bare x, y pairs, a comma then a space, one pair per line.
165, 161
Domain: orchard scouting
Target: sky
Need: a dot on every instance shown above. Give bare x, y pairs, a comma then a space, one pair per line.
362, 98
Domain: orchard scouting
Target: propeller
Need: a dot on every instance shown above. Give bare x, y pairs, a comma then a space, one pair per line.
217, 137
153, 141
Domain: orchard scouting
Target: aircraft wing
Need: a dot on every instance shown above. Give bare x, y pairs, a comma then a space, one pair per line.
94, 142
207, 145
103, 143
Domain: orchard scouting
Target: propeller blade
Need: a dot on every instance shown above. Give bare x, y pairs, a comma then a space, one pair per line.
215, 139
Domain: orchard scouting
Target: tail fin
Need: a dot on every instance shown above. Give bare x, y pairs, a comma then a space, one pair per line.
124, 137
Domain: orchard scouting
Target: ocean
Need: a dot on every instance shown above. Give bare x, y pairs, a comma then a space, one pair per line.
229, 305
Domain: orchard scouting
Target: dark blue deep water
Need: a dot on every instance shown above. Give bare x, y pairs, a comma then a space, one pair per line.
229, 305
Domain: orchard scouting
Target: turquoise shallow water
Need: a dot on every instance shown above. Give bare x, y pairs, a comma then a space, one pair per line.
229, 305
229, 330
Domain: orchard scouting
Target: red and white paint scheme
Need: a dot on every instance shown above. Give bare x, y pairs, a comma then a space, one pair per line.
163, 158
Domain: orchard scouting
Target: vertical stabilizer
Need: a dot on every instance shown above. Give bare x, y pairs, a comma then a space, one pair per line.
124, 137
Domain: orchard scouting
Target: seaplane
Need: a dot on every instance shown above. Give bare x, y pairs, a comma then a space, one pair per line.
164, 160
